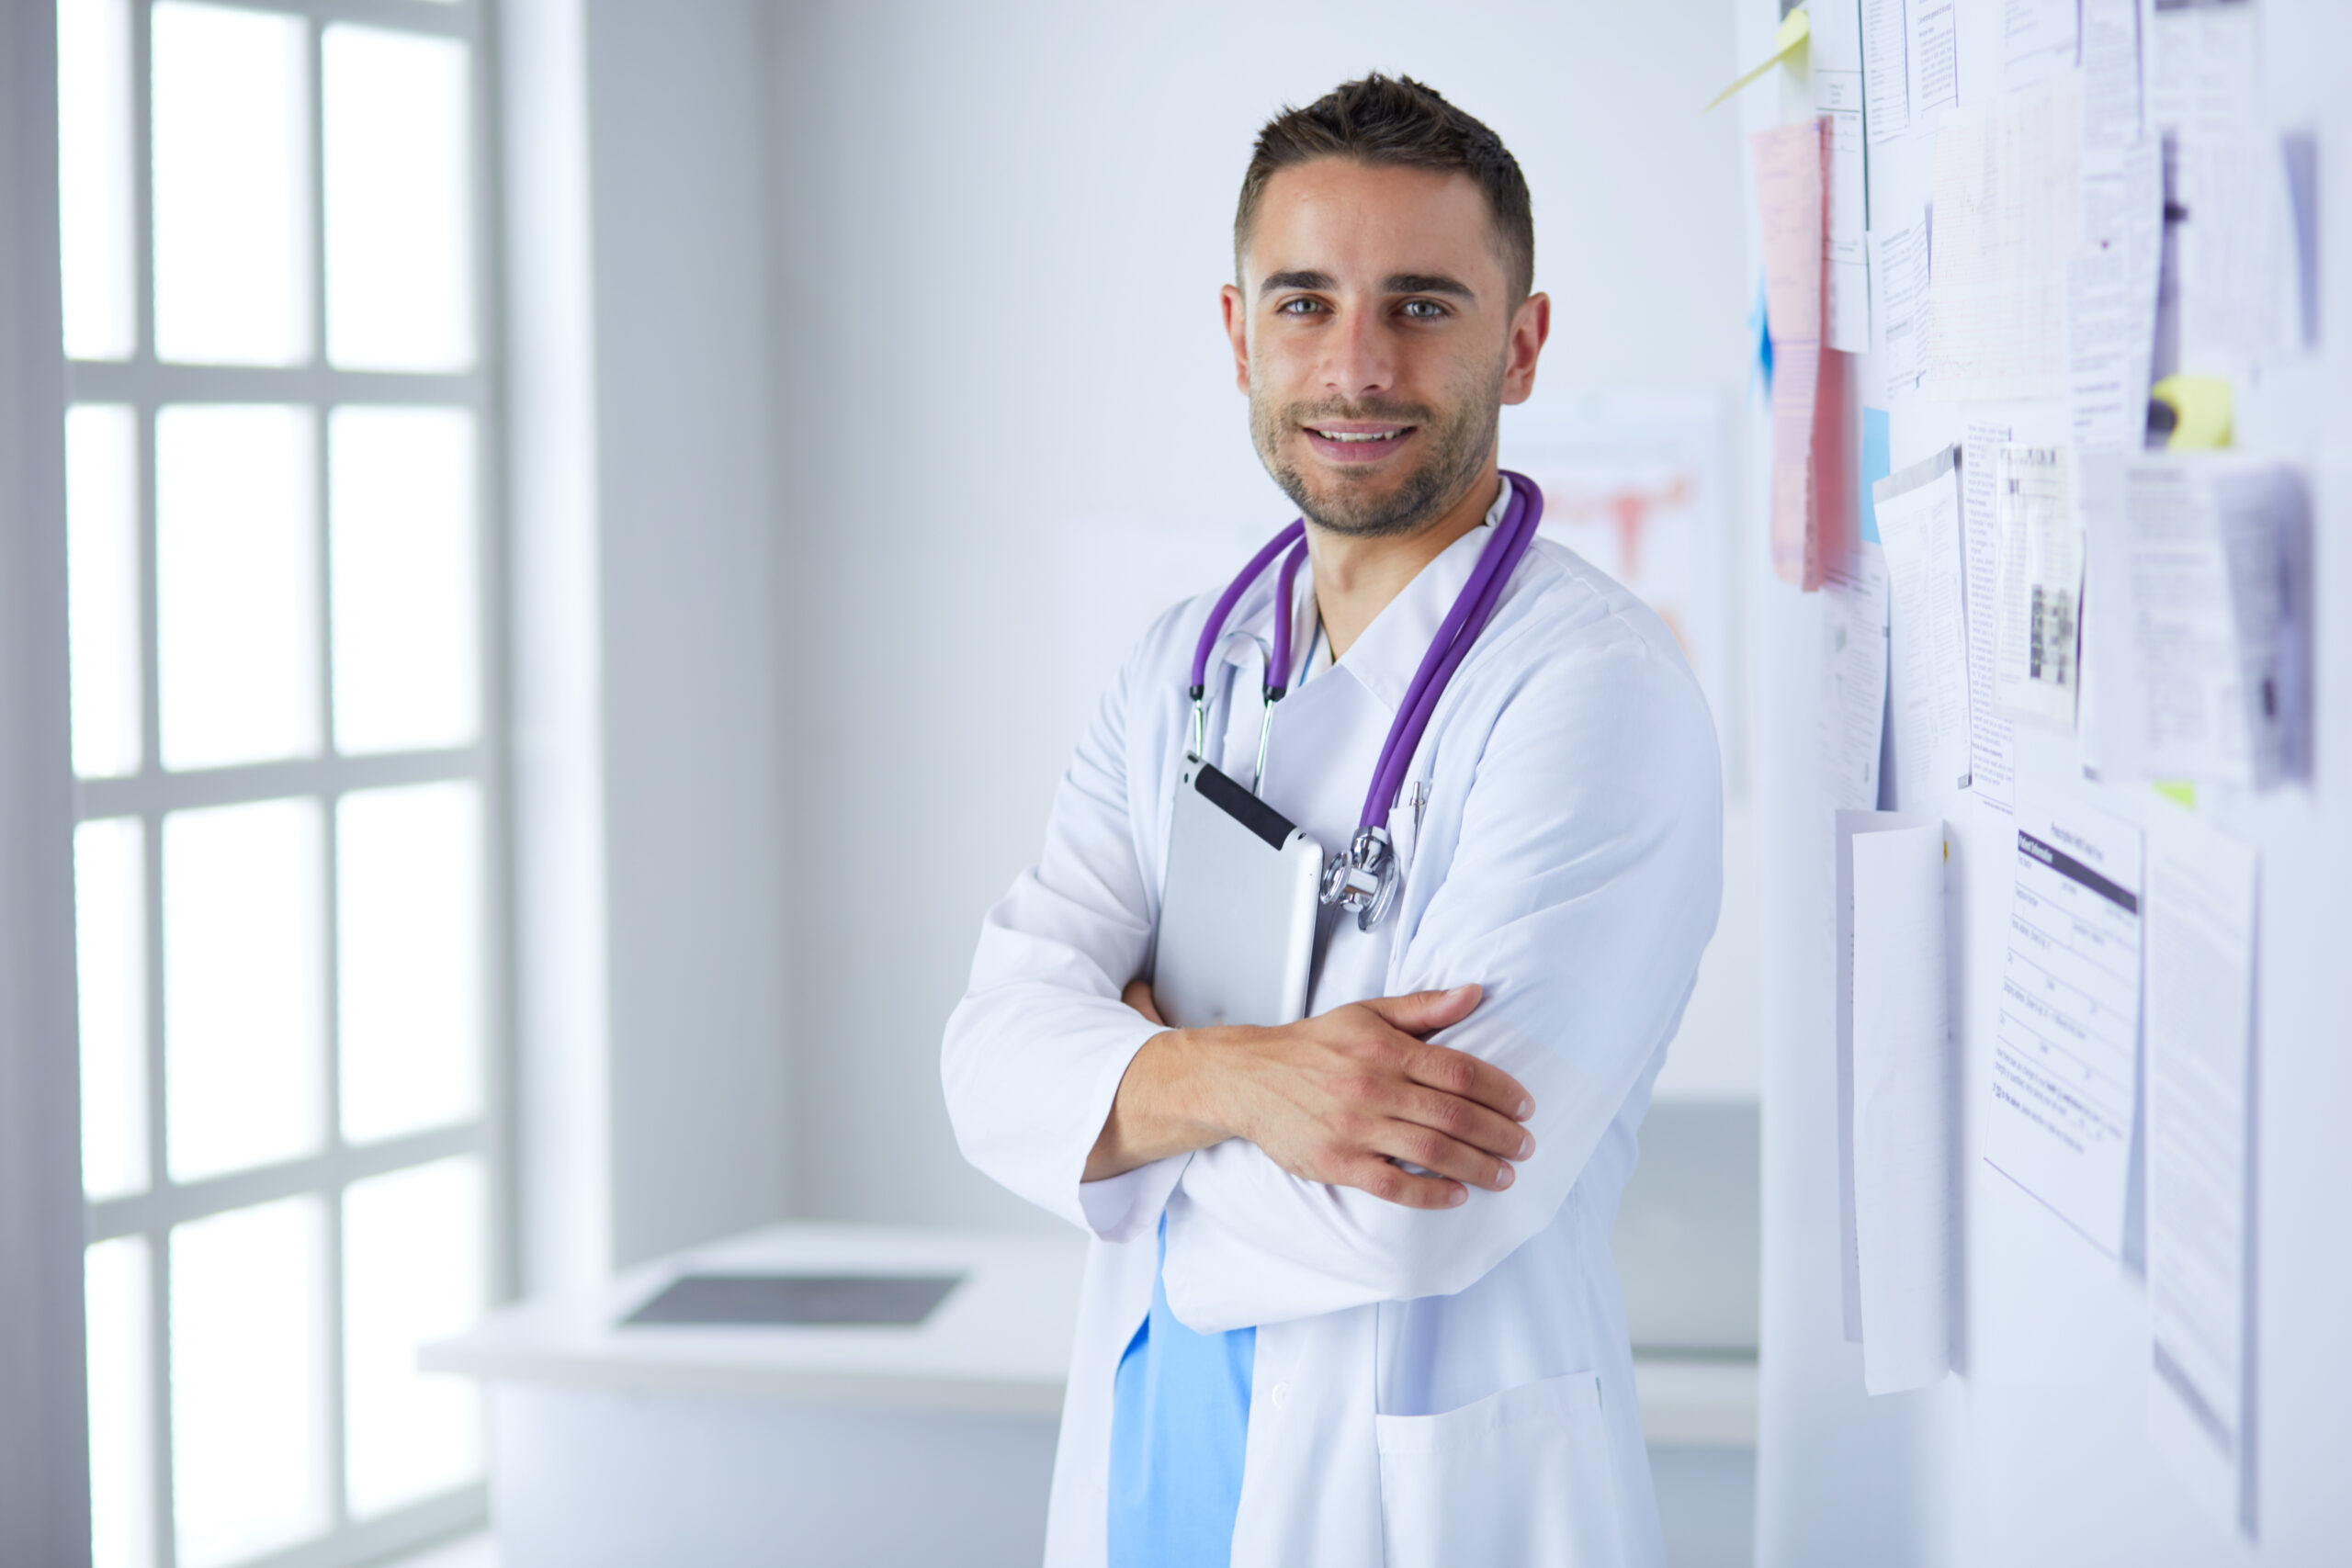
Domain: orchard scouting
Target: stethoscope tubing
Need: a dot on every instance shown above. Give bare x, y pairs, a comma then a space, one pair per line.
1473, 607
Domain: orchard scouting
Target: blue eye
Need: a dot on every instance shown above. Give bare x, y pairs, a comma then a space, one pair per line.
1298, 307
1423, 309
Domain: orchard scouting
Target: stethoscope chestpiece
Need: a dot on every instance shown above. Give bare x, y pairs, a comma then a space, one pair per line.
1364, 877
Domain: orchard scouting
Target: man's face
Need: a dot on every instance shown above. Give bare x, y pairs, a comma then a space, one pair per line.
1375, 337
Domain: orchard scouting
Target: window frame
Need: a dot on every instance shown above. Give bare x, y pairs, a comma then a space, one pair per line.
145, 384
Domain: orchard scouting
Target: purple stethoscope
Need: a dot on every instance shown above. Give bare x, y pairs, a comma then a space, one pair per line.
1362, 877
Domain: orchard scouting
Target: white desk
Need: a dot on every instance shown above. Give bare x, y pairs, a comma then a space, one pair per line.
632, 1447
628, 1447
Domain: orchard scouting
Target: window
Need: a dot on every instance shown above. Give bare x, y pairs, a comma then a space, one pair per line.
281, 546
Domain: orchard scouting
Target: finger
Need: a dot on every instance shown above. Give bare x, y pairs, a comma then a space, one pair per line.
1442, 1155
1424, 1012
1138, 995
1464, 1120
1384, 1181
1460, 1074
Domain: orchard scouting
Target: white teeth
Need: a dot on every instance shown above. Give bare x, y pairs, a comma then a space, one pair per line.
1359, 435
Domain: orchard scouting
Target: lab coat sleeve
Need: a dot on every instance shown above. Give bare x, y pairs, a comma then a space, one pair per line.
1583, 888
1034, 1052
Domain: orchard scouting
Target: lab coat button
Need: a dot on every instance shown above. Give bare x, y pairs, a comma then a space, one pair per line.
1282, 1394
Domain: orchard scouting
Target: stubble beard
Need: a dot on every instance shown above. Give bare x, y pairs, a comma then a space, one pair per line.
1459, 438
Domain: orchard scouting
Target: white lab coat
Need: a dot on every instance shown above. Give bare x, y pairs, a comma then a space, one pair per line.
1430, 1387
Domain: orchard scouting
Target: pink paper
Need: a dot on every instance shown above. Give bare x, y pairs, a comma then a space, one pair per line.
1812, 389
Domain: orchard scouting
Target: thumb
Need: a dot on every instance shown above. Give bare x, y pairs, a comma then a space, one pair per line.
1424, 1012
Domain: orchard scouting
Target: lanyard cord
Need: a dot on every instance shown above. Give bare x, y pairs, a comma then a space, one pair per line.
1314, 646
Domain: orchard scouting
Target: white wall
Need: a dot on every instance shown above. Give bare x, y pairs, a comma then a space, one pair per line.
694, 758
649, 757
999, 235
2038, 1452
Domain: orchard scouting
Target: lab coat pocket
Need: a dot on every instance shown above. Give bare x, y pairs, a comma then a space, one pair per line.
1522, 1478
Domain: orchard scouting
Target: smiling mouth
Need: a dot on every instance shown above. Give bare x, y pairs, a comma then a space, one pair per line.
1356, 442
1352, 438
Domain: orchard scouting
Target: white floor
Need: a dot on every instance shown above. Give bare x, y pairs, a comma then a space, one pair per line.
1706, 1499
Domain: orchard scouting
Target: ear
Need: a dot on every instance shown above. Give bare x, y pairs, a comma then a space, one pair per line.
1237, 331
1530, 325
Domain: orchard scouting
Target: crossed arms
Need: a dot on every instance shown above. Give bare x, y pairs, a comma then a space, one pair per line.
1582, 885
1341, 1097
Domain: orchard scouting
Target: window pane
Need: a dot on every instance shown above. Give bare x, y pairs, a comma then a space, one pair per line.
94, 179
248, 1394
399, 242
102, 567
242, 986
232, 170
401, 508
236, 584
109, 938
412, 1248
122, 1412
409, 935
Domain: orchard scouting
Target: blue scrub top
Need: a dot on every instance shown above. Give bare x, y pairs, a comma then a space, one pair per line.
1180, 1425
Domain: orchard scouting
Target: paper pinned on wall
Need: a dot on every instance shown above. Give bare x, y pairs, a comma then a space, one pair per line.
2203, 67
1899, 282
1918, 528
1847, 826
2112, 116
1837, 66
2037, 41
2007, 219
1854, 697
2066, 1044
1933, 55
2242, 272
2196, 642
2040, 594
1902, 1125
2202, 887
2111, 296
1992, 742
1886, 70
2241, 280
1910, 64
1790, 165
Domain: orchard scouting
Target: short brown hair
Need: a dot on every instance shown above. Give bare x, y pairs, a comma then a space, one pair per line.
1395, 122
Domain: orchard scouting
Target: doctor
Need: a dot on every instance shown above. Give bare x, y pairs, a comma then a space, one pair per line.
1350, 1299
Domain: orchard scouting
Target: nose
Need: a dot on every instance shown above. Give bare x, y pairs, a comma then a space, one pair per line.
1357, 359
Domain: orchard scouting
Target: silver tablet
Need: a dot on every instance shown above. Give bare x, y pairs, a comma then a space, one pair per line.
1237, 915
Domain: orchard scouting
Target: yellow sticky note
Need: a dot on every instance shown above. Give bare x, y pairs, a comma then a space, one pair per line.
1795, 27
2200, 407
2179, 793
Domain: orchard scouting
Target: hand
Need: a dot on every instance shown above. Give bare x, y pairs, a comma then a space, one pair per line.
1354, 1095
1343, 1098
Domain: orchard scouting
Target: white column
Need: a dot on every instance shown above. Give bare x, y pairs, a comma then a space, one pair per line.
648, 776
44, 1441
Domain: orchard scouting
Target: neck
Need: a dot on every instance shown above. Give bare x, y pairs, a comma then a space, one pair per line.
1355, 576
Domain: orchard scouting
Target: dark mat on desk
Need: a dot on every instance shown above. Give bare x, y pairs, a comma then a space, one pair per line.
897, 1301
